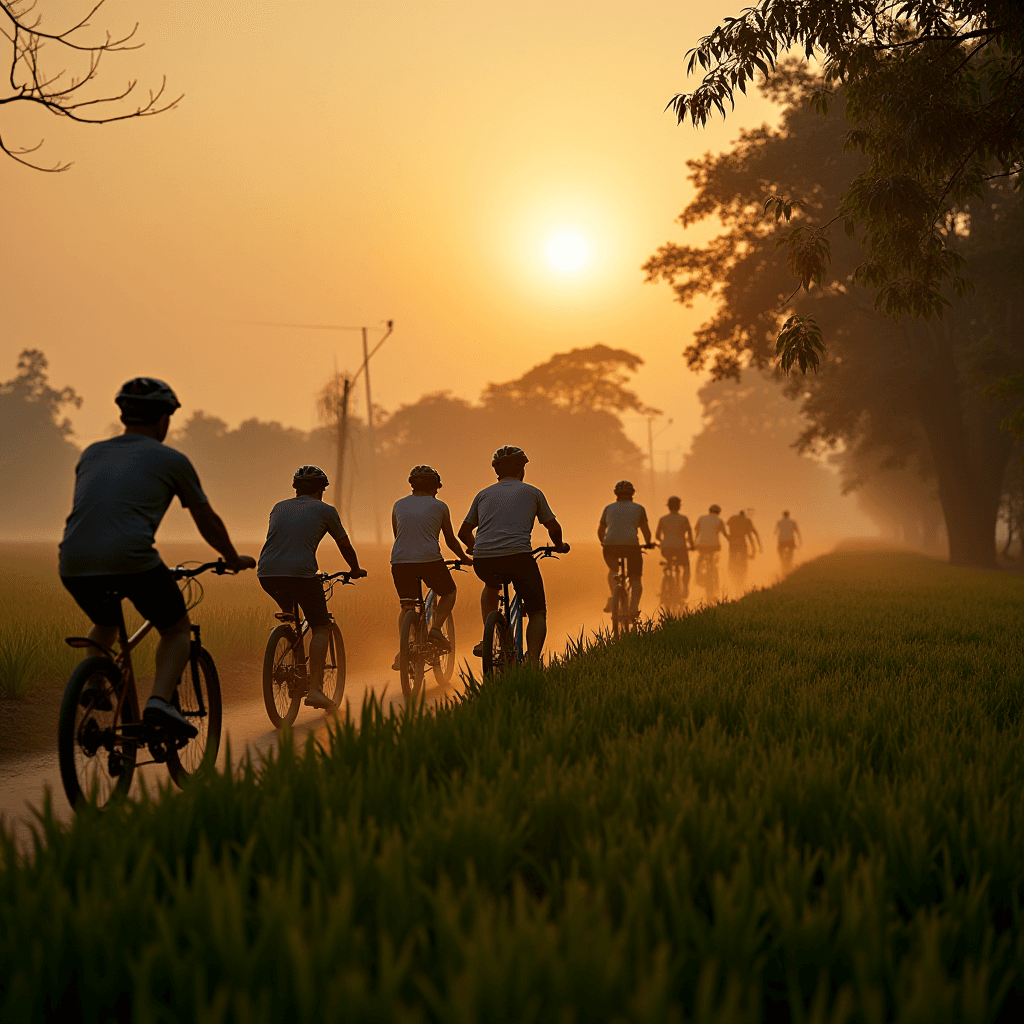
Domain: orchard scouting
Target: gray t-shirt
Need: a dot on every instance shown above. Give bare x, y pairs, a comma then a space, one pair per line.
123, 487
673, 528
418, 518
503, 516
622, 520
297, 525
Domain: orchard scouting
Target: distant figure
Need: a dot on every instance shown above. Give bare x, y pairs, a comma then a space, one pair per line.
618, 532
708, 529
288, 566
742, 537
676, 539
788, 533
417, 520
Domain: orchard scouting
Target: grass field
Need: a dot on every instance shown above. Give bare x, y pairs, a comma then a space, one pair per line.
807, 805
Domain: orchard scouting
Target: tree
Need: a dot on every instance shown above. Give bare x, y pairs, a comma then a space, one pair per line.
881, 382
37, 459
934, 90
33, 81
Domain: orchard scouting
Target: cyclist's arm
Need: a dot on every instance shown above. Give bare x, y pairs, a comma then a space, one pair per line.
645, 529
799, 535
757, 536
554, 529
212, 529
602, 529
688, 536
451, 540
349, 554
394, 525
466, 536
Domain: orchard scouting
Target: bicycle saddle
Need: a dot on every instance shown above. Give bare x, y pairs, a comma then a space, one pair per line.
285, 617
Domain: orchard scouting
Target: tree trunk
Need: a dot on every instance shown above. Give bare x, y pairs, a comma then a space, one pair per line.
969, 451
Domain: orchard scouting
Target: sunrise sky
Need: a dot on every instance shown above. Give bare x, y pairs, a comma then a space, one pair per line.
490, 176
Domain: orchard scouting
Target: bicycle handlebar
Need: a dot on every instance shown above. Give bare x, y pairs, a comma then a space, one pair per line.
548, 551
179, 572
455, 564
345, 577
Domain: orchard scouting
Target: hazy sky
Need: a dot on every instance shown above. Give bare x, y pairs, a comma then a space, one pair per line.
350, 163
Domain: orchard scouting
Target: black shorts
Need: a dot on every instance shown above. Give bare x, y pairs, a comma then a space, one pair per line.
306, 591
787, 545
681, 556
407, 576
521, 571
631, 552
154, 593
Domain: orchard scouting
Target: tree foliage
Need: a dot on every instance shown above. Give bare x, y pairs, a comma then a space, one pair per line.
934, 94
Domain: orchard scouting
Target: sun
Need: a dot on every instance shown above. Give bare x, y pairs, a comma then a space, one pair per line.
567, 251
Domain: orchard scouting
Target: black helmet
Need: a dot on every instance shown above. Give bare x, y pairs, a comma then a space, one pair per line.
312, 475
715, 509
509, 453
145, 400
423, 472
625, 487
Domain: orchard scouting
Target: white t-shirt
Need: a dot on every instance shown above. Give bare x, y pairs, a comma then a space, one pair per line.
419, 518
672, 528
708, 531
297, 525
786, 529
503, 516
123, 487
622, 520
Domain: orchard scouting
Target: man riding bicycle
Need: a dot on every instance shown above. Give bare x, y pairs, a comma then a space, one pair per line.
676, 539
709, 527
788, 533
503, 516
123, 488
417, 520
618, 533
288, 567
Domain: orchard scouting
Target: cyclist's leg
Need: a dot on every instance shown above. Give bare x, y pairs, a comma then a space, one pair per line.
438, 577
529, 586
635, 571
611, 559
156, 596
309, 593
94, 595
407, 584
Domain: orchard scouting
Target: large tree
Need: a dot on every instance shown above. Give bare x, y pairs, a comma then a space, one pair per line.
934, 94
883, 386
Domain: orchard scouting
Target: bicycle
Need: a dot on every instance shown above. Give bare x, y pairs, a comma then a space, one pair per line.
286, 660
503, 630
705, 572
623, 619
786, 553
100, 730
675, 585
417, 649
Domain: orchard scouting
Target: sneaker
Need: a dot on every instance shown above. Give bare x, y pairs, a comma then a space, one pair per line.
95, 696
159, 712
396, 665
316, 699
439, 640
478, 651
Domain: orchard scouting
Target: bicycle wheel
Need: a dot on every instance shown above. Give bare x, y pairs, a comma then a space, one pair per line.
96, 762
197, 697
334, 667
282, 690
499, 653
444, 664
410, 658
620, 610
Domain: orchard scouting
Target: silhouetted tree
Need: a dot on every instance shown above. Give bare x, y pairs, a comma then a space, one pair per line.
37, 457
881, 381
34, 81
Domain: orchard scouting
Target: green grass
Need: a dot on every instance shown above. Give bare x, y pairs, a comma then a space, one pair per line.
806, 806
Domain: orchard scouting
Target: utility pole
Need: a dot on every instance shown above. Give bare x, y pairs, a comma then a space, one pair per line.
341, 418
370, 439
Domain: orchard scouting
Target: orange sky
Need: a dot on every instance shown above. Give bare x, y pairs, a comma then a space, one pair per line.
354, 162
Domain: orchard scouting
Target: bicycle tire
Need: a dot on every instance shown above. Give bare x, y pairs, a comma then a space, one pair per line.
335, 666
443, 665
620, 611
498, 651
280, 695
104, 774
200, 753
410, 658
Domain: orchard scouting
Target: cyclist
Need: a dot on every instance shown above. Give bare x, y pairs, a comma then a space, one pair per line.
416, 522
123, 487
618, 533
503, 516
742, 537
788, 533
288, 567
709, 527
676, 539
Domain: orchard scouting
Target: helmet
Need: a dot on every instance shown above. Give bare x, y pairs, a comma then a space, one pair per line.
310, 475
144, 400
625, 487
424, 471
674, 502
715, 509
508, 452
786, 513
